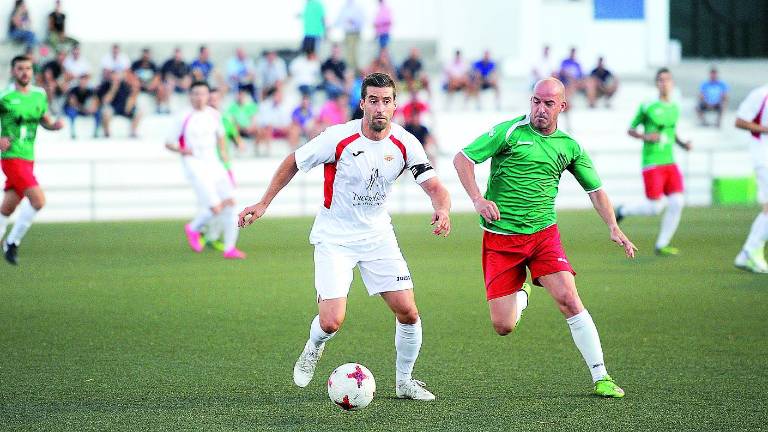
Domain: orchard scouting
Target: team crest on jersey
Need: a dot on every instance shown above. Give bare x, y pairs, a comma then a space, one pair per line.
389, 158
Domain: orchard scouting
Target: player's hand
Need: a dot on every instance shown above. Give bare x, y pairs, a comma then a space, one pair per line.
653, 137
5, 143
250, 214
619, 238
487, 209
185, 151
57, 125
442, 223
686, 145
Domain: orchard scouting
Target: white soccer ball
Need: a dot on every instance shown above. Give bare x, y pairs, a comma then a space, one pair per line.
351, 386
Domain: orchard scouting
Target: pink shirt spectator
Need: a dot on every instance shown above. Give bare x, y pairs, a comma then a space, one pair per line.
332, 113
383, 21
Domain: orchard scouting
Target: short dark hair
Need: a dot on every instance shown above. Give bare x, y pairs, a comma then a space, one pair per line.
380, 80
662, 71
19, 58
199, 84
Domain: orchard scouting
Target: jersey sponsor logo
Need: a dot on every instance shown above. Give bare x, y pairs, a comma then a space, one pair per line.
525, 142
374, 193
358, 153
14, 101
403, 278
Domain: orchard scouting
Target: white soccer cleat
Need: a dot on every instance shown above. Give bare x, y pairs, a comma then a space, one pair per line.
413, 389
751, 261
304, 369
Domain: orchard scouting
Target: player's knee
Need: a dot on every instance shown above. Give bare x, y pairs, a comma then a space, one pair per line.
570, 304
408, 317
331, 324
503, 328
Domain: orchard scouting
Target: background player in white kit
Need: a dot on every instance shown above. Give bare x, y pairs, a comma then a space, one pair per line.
196, 136
362, 159
752, 116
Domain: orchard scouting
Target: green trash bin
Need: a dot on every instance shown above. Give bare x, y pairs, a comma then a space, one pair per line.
734, 191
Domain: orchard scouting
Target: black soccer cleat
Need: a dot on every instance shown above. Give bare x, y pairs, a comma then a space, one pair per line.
618, 214
10, 251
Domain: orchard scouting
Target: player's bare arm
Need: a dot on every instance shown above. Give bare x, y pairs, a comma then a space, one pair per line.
687, 145
285, 172
441, 202
466, 171
5, 143
652, 137
49, 124
604, 208
751, 126
174, 147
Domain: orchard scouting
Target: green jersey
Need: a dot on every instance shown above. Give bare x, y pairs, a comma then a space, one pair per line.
243, 115
20, 114
314, 15
525, 173
230, 135
658, 117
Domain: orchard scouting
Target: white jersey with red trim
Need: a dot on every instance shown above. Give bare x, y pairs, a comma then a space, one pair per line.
755, 109
199, 131
359, 174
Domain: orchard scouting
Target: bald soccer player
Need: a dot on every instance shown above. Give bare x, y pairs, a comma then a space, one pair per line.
528, 156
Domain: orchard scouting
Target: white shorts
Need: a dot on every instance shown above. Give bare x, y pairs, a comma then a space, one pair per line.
381, 264
211, 184
762, 184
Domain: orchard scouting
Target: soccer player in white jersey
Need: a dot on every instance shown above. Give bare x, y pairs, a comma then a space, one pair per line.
361, 160
196, 136
752, 116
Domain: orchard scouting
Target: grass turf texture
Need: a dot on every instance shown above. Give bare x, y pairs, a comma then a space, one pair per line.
118, 326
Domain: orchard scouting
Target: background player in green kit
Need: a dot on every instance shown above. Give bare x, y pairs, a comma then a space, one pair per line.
22, 107
528, 156
660, 172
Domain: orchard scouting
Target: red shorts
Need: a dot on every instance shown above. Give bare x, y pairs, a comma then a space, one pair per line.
505, 258
662, 180
19, 175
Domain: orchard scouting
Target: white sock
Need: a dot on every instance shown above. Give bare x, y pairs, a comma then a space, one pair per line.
407, 345
317, 337
587, 341
521, 302
24, 221
647, 208
201, 219
758, 233
214, 230
228, 220
670, 220
3, 225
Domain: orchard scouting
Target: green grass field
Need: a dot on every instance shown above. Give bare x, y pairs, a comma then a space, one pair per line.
117, 326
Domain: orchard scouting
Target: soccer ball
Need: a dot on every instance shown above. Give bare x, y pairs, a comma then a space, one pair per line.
351, 386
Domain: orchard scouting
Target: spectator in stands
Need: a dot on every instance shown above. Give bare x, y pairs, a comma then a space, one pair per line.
572, 76
314, 25
383, 24
305, 73
355, 89
302, 116
57, 35
19, 25
81, 100
272, 71
382, 63
175, 73
241, 73
414, 125
334, 71
545, 67
201, 67
483, 76
456, 74
334, 111
350, 20
243, 112
53, 79
230, 130
713, 96
117, 97
274, 120
75, 65
604, 84
115, 60
412, 72
146, 73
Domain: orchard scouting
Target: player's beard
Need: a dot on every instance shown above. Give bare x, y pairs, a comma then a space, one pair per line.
23, 81
378, 126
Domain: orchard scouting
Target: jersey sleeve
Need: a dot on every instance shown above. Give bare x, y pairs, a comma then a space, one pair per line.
175, 131
750, 106
582, 168
639, 117
417, 160
319, 150
488, 144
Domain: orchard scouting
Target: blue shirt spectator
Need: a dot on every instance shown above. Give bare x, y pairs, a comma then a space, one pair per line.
713, 96
201, 68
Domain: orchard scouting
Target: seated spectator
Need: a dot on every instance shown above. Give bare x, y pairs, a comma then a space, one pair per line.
305, 73
19, 25
383, 24
272, 72
382, 63
408, 109
713, 96
243, 113
572, 76
302, 116
53, 79
334, 111
545, 67
201, 68
241, 73
175, 73
115, 60
604, 84
274, 120
75, 65
334, 71
146, 73
118, 96
355, 89
81, 100
57, 36
414, 125
456, 74
412, 72
484, 76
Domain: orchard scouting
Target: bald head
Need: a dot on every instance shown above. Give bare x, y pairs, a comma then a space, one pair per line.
549, 88
547, 102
